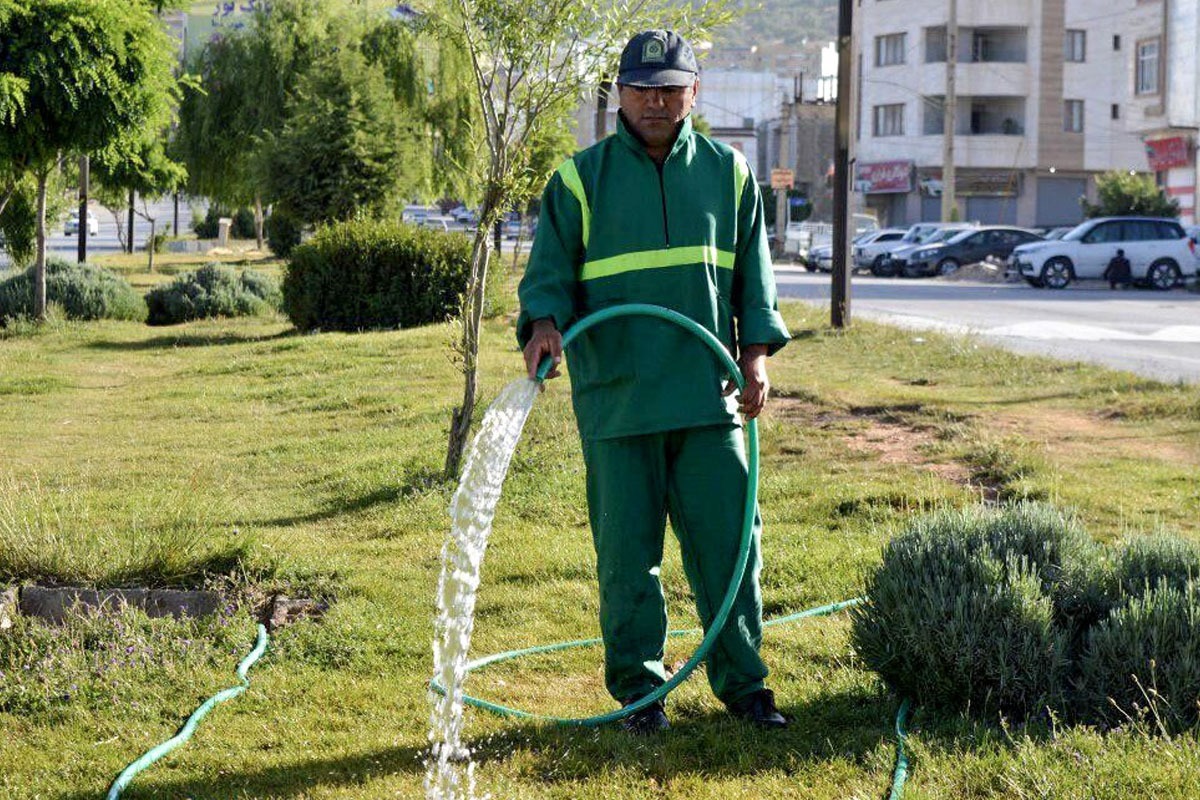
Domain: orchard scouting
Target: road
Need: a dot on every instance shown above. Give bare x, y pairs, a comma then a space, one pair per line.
1154, 334
65, 246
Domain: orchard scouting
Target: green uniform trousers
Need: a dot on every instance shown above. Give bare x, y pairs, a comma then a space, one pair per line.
697, 476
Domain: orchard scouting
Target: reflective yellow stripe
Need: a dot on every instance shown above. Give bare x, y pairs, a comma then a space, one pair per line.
741, 172
656, 259
570, 179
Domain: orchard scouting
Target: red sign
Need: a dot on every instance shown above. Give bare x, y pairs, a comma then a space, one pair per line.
1164, 154
883, 177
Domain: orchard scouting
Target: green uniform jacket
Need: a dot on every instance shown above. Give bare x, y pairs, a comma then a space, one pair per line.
616, 229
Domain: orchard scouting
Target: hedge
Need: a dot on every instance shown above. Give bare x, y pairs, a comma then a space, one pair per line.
370, 275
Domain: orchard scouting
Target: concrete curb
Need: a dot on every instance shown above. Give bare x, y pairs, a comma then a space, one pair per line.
55, 605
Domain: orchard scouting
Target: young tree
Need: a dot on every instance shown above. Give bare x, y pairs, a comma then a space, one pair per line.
532, 63
107, 77
1123, 194
143, 170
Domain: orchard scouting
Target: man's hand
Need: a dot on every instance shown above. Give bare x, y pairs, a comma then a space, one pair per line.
753, 364
546, 341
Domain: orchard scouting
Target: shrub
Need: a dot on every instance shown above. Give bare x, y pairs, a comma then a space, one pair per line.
361, 275
1144, 660
959, 614
1147, 560
211, 291
242, 226
83, 291
283, 232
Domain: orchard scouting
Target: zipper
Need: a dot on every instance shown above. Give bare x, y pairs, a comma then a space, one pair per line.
662, 191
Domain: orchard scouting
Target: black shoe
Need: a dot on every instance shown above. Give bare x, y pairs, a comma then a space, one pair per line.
759, 708
647, 721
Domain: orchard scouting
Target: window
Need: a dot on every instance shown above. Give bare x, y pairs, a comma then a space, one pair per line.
1075, 47
1116, 111
935, 45
1073, 116
889, 49
1146, 79
1117, 41
889, 120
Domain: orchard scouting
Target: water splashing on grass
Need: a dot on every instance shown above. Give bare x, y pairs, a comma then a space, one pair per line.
449, 773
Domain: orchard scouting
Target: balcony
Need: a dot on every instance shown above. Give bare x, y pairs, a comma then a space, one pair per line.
979, 45
976, 116
1014, 80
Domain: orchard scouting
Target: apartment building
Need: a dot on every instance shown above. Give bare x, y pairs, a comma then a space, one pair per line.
1168, 117
1049, 94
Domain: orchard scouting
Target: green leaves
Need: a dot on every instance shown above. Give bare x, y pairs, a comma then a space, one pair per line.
1123, 194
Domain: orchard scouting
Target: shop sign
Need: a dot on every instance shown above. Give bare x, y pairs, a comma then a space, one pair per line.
884, 177
1163, 154
973, 182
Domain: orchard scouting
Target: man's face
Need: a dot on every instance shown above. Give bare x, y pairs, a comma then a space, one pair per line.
655, 112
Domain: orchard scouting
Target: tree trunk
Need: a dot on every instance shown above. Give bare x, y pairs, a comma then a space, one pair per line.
150, 244
84, 179
39, 270
600, 125
129, 242
258, 221
472, 319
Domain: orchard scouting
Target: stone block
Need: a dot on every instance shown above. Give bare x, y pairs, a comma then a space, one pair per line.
56, 604
8, 607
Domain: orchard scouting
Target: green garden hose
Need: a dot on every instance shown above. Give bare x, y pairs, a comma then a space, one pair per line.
900, 773
638, 309
189, 727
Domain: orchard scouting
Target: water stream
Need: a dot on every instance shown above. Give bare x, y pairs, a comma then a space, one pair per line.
449, 772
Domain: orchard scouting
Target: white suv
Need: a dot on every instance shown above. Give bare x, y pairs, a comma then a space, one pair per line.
1159, 252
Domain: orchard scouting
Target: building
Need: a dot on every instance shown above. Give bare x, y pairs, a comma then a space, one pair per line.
1164, 76
1047, 98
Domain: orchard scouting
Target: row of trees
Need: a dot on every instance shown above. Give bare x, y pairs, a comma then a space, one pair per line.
324, 111
327, 113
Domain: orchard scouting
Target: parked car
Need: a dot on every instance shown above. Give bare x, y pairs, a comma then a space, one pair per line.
873, 245
1159, 252
966, 247
922, 233
820, 257
71, 226
800, 237
437, 222
413, 214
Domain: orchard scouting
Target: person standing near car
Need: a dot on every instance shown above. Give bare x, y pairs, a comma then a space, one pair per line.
661, 214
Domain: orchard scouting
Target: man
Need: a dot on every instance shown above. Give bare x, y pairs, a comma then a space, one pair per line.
660, 214
1119, 271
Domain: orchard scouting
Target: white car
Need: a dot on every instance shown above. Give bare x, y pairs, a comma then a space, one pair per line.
71, 226
1159, 251
873, 245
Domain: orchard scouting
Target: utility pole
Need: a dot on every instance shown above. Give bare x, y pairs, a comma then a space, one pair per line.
840, 291
783, 214
949, 115
84, 176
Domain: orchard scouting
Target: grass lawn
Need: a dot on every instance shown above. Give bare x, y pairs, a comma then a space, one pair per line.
310, 462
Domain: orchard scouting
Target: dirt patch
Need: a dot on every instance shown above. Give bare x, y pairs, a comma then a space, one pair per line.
879, 432
1060, 431
985, 271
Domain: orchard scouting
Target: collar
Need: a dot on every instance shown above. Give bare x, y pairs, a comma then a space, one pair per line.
627, 135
